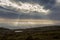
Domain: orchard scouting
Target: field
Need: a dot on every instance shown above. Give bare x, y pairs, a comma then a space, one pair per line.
30, 33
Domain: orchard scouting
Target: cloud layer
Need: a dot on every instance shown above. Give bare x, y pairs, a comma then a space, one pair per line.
12, 11
32, 8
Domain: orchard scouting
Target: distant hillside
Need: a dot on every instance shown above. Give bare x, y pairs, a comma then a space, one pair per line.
43, 33
5, 30
45, 28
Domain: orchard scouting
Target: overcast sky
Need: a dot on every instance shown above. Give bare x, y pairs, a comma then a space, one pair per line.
12, 10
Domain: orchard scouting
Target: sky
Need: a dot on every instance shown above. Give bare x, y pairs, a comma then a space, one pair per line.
29, 13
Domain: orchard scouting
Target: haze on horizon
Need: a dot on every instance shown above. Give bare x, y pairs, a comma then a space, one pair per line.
29, 13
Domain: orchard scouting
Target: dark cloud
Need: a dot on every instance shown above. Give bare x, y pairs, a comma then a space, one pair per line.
48, 4
5, 14
8, 15
14, 15
55, 14
21, 16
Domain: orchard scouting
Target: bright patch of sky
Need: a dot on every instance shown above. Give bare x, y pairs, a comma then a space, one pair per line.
24, 7
58, 1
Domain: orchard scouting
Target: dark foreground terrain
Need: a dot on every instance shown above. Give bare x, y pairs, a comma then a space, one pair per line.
40, 33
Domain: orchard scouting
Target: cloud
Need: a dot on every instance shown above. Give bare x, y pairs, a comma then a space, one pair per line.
36, 9
55, 15
55, 11
8, 15
15, 15
40, 7
46, 3
24, 7
12, 11
57, 1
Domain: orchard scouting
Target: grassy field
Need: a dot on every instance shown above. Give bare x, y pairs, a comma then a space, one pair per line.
39, 35
45, 35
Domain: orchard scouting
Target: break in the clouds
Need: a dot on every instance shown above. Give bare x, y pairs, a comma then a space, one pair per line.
26, 23
13, 11
37, 9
